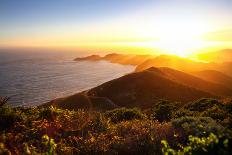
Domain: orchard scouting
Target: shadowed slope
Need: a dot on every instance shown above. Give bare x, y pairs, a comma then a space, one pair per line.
215, 77
196, 82
143, 88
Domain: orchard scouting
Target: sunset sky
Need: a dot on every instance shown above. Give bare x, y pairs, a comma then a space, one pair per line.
177, 27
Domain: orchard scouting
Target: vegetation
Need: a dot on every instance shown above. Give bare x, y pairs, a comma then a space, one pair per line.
200, 127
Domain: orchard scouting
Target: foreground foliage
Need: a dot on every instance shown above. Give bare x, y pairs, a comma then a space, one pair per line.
201, 127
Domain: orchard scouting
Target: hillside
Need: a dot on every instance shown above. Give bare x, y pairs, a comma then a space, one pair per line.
196, 82
215, 77
89, 58
142, 88
183, 64
138, 89
174, 62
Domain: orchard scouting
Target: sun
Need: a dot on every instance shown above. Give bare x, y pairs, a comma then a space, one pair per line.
181, 38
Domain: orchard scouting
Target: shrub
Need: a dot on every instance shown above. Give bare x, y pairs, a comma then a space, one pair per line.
202, 104
184, 112
142, 137
196, 146
48, 113
228, 106
216, 113
163, 110
49, 145
197, 126
99, 123
8, 116
121, 131
122, 114
4, 150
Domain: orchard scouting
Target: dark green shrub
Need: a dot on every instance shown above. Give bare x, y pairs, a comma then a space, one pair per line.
216, 113
8, 116
48, 113
228, 106
99, 123
163, 110
184, 112
197, 126
123, 114
209, 145
202, 104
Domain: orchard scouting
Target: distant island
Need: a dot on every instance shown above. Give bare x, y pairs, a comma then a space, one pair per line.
125, 59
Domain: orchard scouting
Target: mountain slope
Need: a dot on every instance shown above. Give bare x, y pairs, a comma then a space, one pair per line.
139, 89
174, 62
196, 82
89, 58
215, 77
142, 88
184, 64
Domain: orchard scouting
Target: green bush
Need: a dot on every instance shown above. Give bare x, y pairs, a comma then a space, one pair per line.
185, 112
123, 114
228, 106
202, 104
216, 113
197, 126
164, 110
8, 116
99, 123
209, 145
49, 113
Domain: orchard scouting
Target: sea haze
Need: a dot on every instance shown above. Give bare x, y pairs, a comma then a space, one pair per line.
33, 78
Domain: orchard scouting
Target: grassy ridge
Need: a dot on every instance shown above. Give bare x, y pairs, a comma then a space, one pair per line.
200, 127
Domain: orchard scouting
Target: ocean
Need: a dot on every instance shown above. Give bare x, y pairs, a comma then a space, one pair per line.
33, 78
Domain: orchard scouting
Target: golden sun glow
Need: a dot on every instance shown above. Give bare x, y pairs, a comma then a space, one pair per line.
181, 38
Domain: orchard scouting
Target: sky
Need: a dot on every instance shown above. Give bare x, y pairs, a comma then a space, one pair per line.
171, 25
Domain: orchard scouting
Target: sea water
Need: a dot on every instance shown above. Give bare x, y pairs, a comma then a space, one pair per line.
33, 78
